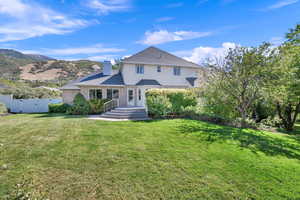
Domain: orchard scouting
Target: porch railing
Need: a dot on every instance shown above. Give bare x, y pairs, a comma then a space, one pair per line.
112, 104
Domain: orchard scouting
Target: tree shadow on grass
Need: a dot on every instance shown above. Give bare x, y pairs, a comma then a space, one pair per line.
254, 140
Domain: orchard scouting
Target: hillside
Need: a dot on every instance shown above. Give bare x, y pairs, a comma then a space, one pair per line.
15, 65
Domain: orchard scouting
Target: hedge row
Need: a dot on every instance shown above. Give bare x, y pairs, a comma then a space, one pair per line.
80, 106
169, 102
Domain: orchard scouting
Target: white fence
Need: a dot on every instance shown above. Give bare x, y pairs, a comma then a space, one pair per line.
27, 105
6, 100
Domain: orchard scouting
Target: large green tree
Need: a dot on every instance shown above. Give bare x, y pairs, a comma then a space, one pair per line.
239, 78
285, 87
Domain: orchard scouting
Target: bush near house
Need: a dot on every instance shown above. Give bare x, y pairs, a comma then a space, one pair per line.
169, 102
97, 105
80, 106
3, 108
158, 106
59, 108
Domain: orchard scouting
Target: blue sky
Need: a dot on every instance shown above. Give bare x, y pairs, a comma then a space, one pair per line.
107, 29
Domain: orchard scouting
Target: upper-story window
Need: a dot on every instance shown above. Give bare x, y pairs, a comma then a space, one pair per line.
176, 71
158, 68
139, 69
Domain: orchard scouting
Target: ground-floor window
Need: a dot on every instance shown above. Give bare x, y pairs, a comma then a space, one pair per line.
95, 94
115, 93
112, 93
130, 95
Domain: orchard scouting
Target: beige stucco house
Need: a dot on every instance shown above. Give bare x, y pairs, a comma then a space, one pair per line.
150, 68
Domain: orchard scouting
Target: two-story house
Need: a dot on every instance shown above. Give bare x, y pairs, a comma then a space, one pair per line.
150, 68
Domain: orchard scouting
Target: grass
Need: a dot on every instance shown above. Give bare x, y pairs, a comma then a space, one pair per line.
61, 157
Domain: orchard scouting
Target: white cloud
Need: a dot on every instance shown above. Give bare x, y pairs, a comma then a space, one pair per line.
164, 19
164, 36
20, 20
13, 8
202, 54
276, 41
108, 6
87, 50
102, 57
84, 50
281, 4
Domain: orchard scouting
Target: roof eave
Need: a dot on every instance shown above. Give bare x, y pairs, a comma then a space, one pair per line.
101, 85
164, 64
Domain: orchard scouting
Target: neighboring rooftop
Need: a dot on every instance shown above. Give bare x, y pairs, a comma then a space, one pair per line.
155, 56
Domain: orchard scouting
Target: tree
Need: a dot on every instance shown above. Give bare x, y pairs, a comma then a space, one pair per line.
285, 87
241, 77
294, 35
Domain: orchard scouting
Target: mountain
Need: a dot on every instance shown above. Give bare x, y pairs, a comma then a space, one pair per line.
15, 65
10, 53
39, 57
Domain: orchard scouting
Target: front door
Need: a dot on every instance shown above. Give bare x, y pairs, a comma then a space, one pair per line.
140, 97
130, 97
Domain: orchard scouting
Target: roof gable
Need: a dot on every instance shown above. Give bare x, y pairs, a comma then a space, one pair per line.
155, 56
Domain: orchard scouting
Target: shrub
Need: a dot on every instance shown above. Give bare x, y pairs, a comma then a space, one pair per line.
271, 122
181, 100
96, 105
3, 108
191, 112
80, 106
59, 108
176, 101
262, 110
217, 103
158, 106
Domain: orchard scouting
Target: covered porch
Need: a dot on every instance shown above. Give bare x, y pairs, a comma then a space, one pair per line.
125, 96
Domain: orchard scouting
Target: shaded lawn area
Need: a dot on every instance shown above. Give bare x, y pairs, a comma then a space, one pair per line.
62, 157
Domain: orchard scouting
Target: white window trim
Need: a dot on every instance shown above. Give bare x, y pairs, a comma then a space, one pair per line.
177, 71
140, 69
158, 67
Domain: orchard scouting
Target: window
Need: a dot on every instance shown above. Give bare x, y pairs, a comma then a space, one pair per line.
109, 93
140, 94
130, 95
115, 93
112, 93
176, 71
139, 69
95, 94
158, 68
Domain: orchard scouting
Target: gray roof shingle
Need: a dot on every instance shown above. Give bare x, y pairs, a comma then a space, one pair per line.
71, 85
155, 56
100, 79
95, 79
191, 80
148, 82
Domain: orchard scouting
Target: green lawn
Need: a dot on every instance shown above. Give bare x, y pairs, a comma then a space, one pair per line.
63, 157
